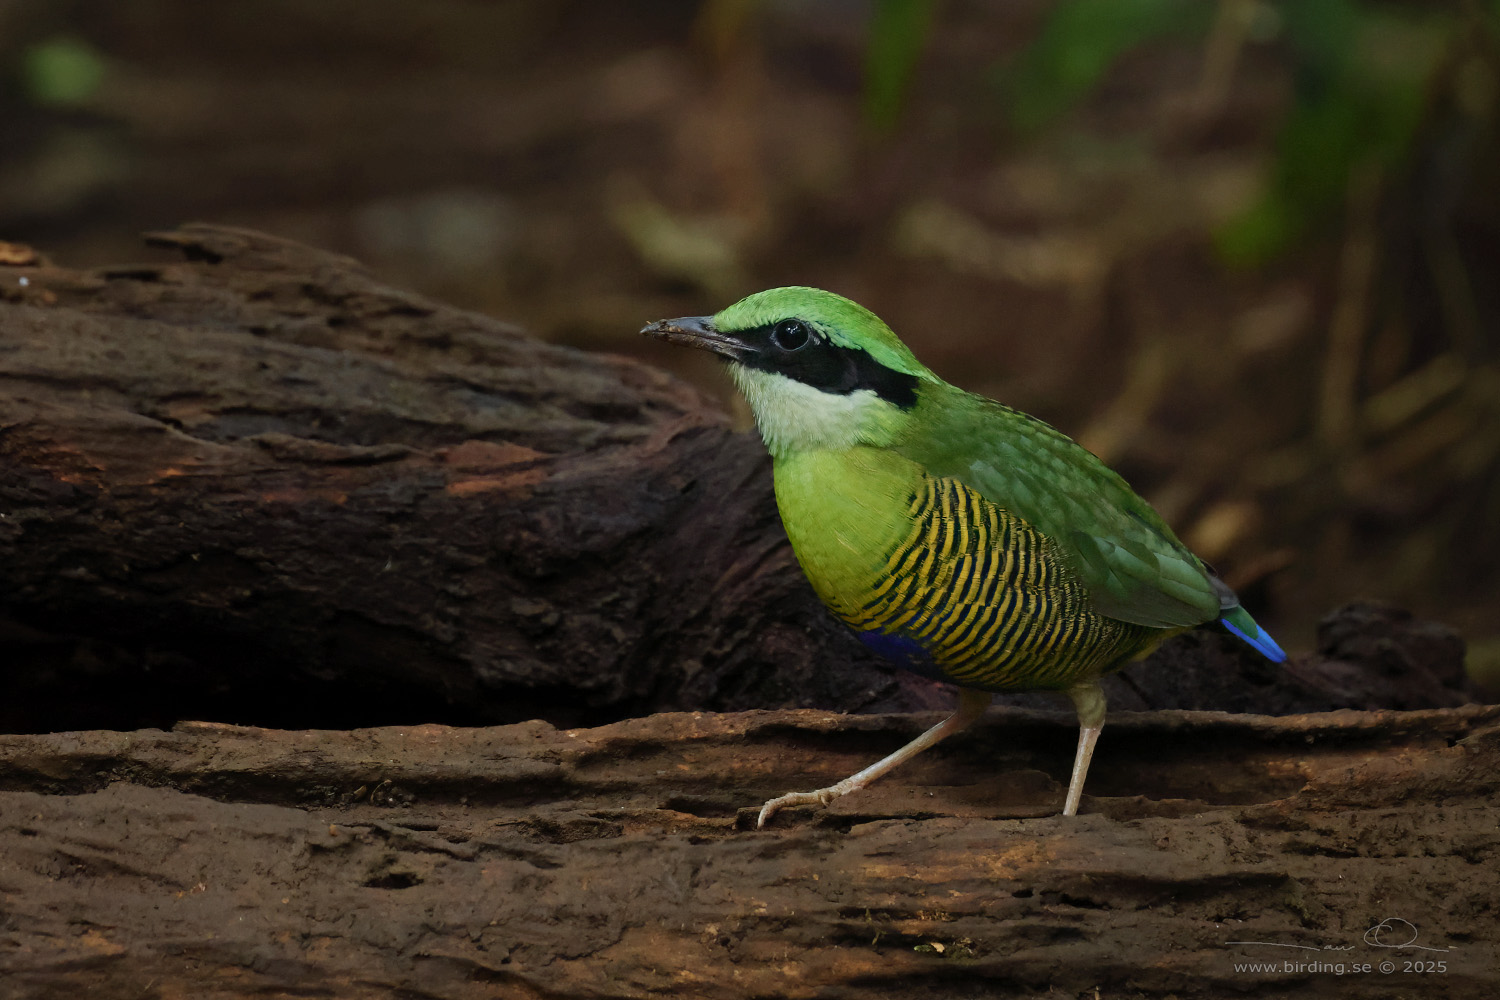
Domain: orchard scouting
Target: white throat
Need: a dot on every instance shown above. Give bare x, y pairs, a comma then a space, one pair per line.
793, 416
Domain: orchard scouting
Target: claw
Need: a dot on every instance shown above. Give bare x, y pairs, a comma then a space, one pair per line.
820, 797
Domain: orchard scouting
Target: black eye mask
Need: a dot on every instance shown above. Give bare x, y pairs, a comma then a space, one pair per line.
796, 349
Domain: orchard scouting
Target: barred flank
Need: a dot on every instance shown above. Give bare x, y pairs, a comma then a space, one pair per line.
984, 594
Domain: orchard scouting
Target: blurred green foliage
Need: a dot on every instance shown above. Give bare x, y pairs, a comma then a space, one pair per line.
1363, 78
1364, 74
898, 33
1079, 42
61, 71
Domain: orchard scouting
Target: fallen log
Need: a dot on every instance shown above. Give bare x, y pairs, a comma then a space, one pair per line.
260, 486
1217, 855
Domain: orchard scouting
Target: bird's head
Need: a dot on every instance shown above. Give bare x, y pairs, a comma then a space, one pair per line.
818, 370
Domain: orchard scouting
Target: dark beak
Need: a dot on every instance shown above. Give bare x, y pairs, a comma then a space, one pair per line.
699, 332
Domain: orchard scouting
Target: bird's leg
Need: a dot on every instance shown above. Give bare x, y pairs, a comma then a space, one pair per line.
1088, 699
971, 705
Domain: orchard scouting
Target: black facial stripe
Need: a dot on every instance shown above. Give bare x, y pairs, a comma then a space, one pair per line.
826, 366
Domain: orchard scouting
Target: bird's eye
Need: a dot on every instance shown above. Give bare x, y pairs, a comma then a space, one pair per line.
790, 334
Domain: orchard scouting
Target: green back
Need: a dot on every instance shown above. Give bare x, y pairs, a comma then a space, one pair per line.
1132, 564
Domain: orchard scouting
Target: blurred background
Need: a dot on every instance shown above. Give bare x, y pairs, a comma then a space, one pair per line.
1247, 251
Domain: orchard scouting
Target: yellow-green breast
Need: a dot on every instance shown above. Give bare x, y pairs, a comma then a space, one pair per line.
912, 561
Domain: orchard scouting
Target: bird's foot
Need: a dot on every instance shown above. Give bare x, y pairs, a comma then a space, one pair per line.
818, 797
971, 705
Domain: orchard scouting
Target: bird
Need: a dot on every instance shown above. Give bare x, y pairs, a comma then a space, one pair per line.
958, 537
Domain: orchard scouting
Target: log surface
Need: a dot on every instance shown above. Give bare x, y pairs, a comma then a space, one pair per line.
527, 861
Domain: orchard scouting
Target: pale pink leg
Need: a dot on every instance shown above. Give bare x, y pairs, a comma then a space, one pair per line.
971, 705
1088, 699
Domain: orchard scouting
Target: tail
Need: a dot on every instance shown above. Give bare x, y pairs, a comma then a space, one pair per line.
1238, 621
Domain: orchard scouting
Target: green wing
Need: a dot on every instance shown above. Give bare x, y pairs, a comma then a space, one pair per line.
1132, 564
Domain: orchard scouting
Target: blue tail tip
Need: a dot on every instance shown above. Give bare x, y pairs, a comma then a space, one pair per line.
1262, 642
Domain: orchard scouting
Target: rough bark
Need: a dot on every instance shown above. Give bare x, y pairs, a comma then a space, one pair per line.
525, 861
259, 485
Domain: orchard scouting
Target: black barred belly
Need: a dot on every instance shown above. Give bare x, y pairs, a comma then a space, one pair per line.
975, 595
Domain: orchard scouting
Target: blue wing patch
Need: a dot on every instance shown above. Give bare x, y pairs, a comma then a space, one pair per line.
904, 651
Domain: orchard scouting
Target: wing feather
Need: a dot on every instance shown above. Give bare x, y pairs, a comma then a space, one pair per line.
1134, 567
